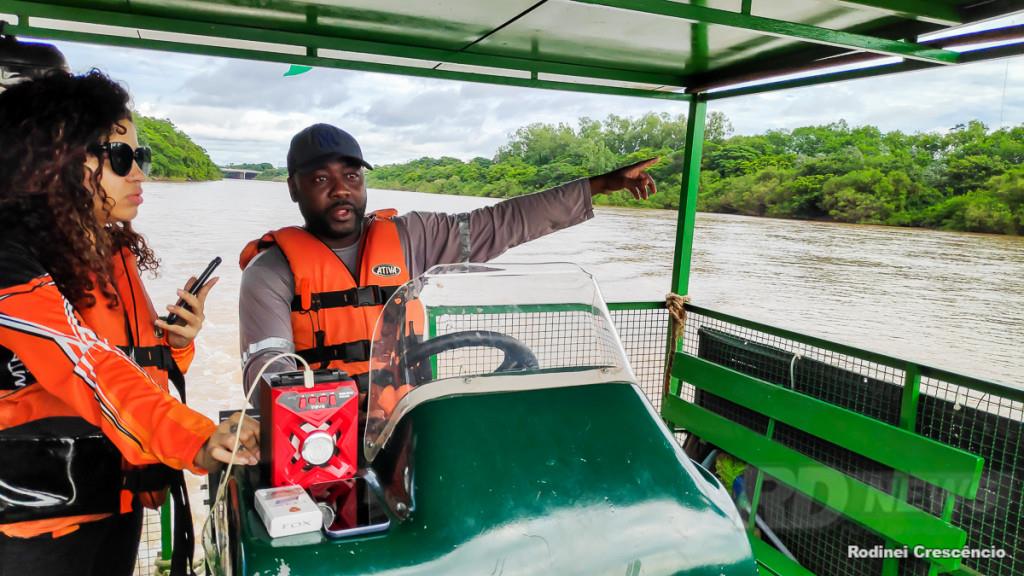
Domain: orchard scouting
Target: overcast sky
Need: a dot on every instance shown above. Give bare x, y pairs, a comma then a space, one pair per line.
243, 111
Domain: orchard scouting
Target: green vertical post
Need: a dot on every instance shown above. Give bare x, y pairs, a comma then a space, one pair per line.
165, 531
755, 498
432, 333
947, 515
693, 150
908, 421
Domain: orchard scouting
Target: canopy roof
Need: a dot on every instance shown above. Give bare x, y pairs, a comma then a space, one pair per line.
654, 48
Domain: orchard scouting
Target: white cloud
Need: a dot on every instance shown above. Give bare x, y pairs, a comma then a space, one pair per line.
248, 111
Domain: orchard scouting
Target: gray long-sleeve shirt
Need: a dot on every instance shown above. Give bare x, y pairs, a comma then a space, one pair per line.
428, 239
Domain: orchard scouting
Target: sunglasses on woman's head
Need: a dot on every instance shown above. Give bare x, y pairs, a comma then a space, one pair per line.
122, 155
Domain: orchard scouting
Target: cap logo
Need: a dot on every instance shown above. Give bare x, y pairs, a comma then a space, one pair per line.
386, 270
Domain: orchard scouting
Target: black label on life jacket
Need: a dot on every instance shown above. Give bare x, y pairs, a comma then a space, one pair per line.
54, 467
13, 373
386, 270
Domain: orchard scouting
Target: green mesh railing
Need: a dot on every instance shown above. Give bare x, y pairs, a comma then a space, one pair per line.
979, 417
561, 337
155, 543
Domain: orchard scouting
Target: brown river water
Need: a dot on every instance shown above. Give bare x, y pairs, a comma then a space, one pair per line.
948, 299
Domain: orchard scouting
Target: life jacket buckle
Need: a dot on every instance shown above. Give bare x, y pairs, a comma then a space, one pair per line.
369, 296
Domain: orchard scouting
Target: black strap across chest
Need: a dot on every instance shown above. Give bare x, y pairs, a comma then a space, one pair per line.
150, 356
357, 351
361, 296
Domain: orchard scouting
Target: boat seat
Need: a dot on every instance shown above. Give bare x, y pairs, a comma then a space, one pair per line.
909, 455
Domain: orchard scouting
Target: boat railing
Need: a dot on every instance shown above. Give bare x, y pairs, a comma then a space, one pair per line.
768, 384
904, 432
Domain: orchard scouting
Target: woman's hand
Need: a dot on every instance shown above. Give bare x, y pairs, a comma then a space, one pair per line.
184, 331
217, 449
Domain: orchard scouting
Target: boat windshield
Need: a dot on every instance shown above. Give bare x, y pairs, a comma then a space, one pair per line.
482, 328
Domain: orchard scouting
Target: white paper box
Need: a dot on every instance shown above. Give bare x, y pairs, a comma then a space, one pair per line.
288, 510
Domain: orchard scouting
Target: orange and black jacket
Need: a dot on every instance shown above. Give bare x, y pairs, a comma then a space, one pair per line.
63, 371
333, 314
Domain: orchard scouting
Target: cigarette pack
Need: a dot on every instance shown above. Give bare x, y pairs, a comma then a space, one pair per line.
288, 510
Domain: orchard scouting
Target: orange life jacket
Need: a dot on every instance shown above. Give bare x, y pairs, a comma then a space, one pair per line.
129, 326
89, 383
333, 314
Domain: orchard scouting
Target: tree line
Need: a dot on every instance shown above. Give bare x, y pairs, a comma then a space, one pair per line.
175, 155
970, 178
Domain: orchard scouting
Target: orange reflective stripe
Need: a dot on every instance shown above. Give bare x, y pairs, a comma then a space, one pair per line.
98, 382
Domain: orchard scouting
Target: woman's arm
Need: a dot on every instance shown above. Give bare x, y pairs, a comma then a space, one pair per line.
97, 380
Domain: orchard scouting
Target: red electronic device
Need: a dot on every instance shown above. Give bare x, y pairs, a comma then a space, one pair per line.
310, 435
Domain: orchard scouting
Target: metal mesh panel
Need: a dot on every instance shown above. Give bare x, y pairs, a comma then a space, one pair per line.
800, 520
149, 547
565, 339
644, 336
984, 424
561, 339
992, 427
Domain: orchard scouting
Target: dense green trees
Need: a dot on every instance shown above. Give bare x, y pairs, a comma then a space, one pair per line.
970, 178
175, 155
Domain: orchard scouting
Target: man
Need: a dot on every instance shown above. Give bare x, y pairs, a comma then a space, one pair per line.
318, 290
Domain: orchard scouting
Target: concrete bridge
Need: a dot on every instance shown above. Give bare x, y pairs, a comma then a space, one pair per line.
239, 174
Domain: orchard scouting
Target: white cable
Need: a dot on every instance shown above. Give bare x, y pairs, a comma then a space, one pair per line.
792, 370
307, 382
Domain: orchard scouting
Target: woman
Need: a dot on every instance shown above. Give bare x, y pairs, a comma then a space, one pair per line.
88, 429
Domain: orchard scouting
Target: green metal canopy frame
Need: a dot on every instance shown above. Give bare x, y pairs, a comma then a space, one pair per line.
693, 50
686, 50
649, 48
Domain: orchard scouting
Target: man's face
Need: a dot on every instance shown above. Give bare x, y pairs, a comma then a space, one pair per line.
332, 200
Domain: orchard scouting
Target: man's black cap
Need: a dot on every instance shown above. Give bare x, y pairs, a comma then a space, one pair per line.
321, 143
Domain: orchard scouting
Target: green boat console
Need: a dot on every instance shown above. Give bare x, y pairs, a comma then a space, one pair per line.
555, 465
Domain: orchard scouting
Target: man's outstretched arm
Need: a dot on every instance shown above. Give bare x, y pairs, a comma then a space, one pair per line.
488, 232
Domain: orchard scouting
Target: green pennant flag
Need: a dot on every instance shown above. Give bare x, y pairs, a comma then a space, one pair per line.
297, 69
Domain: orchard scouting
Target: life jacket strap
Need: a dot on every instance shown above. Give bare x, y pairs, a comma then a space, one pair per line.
150, 356
184, 540
361, 296
158, 357
357, 351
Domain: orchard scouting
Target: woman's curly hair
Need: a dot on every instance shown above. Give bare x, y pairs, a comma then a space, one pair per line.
46, 127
